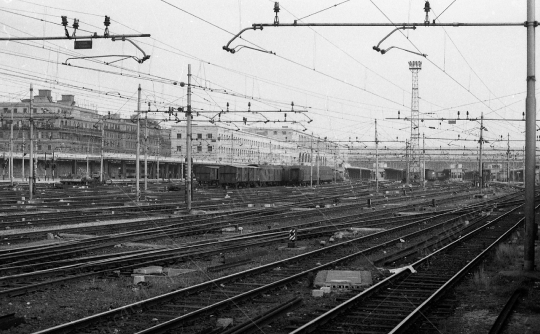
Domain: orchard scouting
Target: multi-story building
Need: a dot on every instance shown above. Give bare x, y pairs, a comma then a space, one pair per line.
73, 135
219, 144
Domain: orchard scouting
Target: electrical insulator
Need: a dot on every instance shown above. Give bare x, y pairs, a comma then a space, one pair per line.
75, 24
107, 21
276, 10
398, 114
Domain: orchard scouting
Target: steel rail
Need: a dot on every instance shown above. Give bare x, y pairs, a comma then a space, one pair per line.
506, 313
314, 324
414, 315
135, 307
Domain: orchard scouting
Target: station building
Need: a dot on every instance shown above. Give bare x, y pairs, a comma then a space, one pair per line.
263, 146
68, 138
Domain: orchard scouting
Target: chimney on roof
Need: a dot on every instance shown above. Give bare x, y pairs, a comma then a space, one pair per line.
44, 96
67, 100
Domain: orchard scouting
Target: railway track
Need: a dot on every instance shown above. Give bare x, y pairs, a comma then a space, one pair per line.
396, 303
183, 308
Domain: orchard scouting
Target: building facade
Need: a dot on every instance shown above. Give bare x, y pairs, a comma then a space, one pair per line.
261, 146
66, 132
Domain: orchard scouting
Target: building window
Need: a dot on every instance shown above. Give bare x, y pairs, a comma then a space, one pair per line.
15, 110
178, 148
24, 110
209, 148
283, 132
275, 132
6, 110
199, 148
178, 136
49, 147
199, 135
39, 147
209, 136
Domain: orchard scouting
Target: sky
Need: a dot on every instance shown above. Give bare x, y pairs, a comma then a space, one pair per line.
332, 74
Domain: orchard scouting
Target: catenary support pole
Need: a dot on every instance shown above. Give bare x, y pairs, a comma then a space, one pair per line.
530, 139
424, 161
31, 180
407, 177
102, 147
11, 169
311, 169
508, 161
146, 149
188, 143
318, 161
481, 142
376, 159
137, 157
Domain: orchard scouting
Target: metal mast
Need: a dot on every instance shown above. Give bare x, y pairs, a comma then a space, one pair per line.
415, 67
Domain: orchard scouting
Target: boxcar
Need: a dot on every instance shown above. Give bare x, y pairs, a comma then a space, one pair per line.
206, 174
430, 175
243, 176
270, 175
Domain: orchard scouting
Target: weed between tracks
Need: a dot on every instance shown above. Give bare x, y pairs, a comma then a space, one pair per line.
482, 296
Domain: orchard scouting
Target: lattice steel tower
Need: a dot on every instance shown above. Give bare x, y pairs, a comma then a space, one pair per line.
415, 168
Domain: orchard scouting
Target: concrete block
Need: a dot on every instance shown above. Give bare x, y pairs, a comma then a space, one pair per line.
149, 270
229, 229
138, 278
251, 205
328, 205
224, 322
326, 289
317, 293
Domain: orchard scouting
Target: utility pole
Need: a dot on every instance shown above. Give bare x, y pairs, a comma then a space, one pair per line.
87, 160
157, 158
137, 167
424, 160
407, 180
376, 159
31, 181
530, 140
480, 173
102, 148
508, 161
188, 143
11, 150
146, 149
23, 147
318, 161
311, 169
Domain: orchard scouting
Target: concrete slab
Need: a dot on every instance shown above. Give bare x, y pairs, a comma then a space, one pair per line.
317, 293
148, 270
224, 322
343, 279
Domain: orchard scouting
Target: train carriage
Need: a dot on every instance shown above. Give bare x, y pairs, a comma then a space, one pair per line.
206, 174
359, 173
